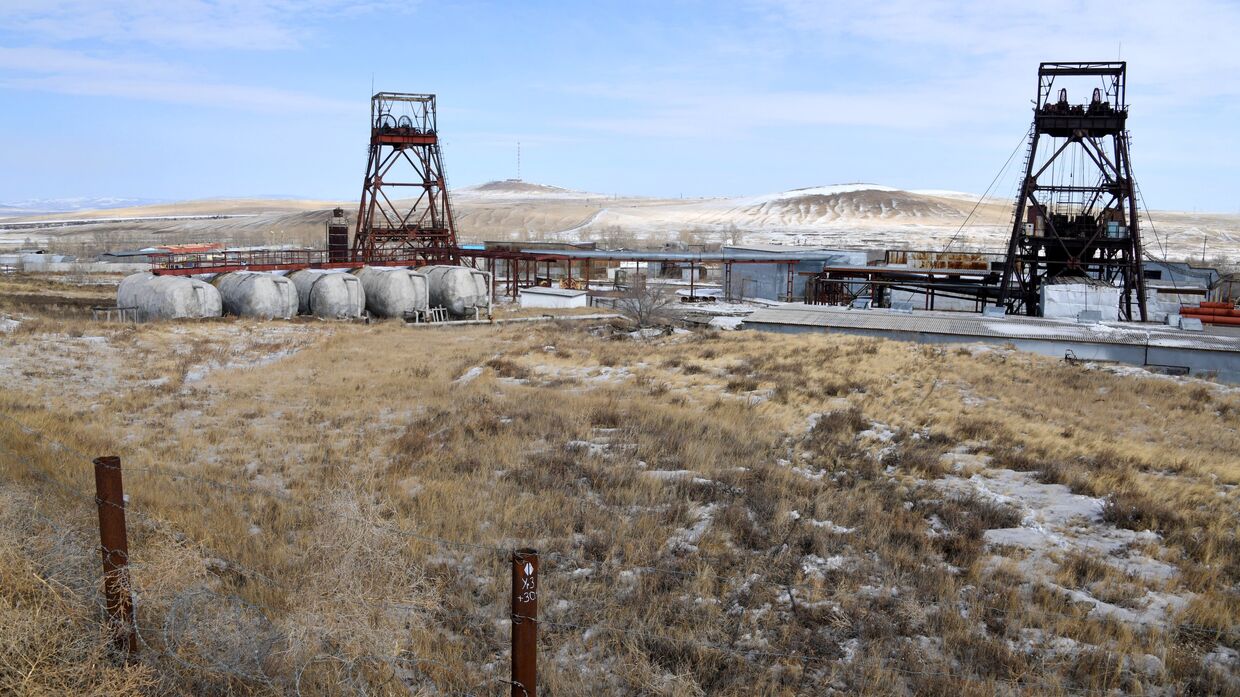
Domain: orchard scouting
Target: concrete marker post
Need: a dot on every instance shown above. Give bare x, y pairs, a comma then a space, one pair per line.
524, 622
114, 546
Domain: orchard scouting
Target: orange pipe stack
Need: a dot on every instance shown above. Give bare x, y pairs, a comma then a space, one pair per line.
1213, 313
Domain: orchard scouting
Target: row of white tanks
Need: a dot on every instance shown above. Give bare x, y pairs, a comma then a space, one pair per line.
331, 294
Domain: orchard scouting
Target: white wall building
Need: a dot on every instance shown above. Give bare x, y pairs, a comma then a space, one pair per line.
553, 297
1067, 300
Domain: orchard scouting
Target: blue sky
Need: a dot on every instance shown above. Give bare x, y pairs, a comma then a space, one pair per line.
196, 99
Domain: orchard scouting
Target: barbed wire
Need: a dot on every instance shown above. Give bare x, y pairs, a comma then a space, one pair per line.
804, 659
577, 563
789, 589
1023, 139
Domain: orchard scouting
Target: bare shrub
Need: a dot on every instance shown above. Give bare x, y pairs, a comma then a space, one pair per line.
646, 304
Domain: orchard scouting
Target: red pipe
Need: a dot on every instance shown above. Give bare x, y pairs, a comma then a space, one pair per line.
1209, 312
1218, 305
1216, 320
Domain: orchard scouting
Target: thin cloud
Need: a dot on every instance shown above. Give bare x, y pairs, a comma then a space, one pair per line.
129, 41
76, 73
1174, 49
253, 25
195, 94
678, 112
925, 65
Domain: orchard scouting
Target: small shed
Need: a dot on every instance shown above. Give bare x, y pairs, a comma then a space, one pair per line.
553, 297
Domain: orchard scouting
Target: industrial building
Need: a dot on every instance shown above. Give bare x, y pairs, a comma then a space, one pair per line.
559, 298
1165, 348
1074, 267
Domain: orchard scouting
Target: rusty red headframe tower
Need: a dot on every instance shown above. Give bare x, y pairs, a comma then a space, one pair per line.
404, 212
1076, 213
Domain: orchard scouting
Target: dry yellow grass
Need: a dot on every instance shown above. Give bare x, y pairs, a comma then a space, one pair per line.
310, 521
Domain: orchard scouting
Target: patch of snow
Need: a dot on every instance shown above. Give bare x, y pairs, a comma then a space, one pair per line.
877, 431
830, 190
948, 193
959, 461
1055, 521
586, 373
685, 540
200, 372
469, 375
727, 323
816, 567
812, 421
830, 527
1043, 505
850, 649
1156, 608
812, 475
1226, 661
647, 333
677, 474
592, 449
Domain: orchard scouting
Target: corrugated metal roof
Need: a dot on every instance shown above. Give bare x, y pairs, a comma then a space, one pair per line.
695, 257
774, 248
961, 324
192, 248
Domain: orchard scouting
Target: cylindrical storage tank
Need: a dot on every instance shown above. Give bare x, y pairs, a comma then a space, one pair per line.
338, 296
329, 294
393, 292
482, 279
257, 294
303, 281
168, 297
454, 289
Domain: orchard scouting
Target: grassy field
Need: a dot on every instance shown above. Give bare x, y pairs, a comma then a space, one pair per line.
325, 508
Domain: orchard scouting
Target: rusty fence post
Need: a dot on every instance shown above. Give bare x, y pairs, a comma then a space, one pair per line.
524, 622
110, 496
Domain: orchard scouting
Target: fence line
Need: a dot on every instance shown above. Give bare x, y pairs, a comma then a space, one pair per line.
504, 551
142, 632
559, 558
804, 659
562, 558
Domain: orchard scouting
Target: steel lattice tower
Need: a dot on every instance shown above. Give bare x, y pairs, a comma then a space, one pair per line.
1076, 213
396, 224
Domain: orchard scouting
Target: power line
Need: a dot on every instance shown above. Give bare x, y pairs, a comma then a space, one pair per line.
987, 192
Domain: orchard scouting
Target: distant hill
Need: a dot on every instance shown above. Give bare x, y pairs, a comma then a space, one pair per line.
517, 188
852, 215
69, 205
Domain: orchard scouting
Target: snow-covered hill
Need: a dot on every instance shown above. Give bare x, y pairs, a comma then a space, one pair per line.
68, 205
852, 214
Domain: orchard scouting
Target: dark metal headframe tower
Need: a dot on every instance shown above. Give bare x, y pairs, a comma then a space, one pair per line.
1076, 213
404, 212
